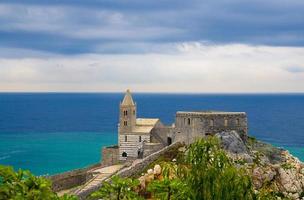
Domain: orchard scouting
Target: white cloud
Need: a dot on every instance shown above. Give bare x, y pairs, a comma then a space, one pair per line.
194, 67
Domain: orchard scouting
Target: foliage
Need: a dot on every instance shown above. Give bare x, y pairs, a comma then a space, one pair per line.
23, 185
171, 186
213, 176
118, 188
287, 166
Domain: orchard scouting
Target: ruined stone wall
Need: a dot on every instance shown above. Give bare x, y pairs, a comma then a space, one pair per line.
71, 179
192, 125
110, 156
149, 148
161, 134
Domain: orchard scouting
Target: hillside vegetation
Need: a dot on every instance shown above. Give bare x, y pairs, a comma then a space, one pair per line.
222, 167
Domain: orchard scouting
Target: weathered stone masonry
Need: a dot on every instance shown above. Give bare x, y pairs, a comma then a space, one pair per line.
140, 137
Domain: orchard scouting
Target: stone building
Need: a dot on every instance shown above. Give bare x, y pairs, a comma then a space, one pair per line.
139, 137
135, 134
192, 125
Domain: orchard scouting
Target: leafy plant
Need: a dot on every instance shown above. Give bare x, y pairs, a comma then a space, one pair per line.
171, 186
118, 188
23, 185
213, 176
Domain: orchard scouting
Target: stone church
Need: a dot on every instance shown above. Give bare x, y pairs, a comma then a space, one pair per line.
140, 137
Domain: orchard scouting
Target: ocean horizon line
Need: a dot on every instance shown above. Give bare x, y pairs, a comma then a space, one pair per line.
158, 93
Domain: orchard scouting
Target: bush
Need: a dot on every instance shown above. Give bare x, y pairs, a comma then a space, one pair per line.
213, 176
118, 188
24, 185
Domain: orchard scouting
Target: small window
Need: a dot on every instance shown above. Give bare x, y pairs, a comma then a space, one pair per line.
133, 112
126, 138
125, 123
237, 122
225, 122
189, 121
126, 113
211, 122
139, 138
124, 154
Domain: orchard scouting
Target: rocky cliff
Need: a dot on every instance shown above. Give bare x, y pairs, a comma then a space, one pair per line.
271, 168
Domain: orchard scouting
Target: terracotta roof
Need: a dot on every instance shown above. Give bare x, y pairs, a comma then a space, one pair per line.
128, 100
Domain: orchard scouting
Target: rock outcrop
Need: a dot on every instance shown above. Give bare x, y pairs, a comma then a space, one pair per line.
271, 168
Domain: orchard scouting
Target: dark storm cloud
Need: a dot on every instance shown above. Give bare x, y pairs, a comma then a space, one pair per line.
137, 26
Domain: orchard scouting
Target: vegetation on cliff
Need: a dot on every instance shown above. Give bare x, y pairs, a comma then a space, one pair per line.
220, 167
202, 171
22, 185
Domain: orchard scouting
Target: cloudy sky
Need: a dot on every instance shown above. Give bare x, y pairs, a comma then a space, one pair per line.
210, 46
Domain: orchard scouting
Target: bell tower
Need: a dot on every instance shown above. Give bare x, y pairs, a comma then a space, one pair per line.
127, 114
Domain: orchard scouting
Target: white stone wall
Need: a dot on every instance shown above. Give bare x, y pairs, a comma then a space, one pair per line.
132, 145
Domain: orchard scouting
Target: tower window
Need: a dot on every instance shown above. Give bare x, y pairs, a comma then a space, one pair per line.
126, 138
225, 122
139, 138
133, 112
189, 121
211, 122
125, 113
125, 123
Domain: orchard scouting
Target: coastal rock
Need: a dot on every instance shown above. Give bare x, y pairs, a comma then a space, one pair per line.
232, 142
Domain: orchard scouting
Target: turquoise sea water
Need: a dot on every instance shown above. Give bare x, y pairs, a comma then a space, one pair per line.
50, 133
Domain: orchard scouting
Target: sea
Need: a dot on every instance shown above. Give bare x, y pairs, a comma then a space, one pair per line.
50, 133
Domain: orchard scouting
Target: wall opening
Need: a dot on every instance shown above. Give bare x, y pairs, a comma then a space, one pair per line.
226, 122
140, 154
169, 141
189, 121
126, 138
124, 154
237, 122
139, 139
211, 122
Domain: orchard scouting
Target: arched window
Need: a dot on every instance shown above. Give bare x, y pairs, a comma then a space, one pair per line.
124, 154
225, 122
139, 138
189, 121
126, 138
125, 123
211, 122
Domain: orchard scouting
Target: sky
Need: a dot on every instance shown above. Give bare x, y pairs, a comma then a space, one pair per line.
195, 46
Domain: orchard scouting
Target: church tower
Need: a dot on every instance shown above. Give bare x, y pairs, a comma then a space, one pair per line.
127, 116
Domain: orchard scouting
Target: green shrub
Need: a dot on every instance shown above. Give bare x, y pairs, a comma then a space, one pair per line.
23, 185
118, 188
213, 176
